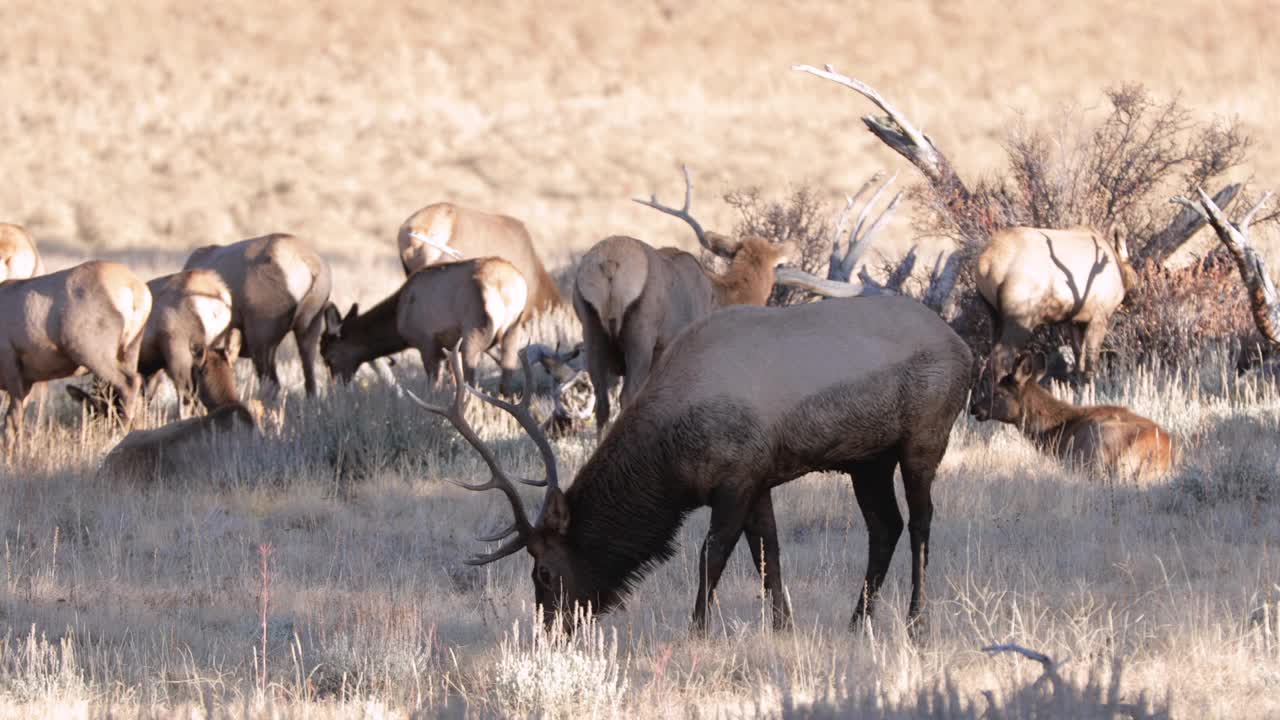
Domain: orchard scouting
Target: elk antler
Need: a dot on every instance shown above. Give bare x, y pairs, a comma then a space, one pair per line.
719, 244
1263, 300
842, 263
499, 479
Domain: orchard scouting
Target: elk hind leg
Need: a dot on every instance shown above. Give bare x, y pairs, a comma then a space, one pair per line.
918, 472
873, 488
12, 382
762, 536
1091, 348
307, 335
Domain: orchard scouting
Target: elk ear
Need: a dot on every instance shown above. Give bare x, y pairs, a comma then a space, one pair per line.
332, 320
555, 513
78, 394
1029, 368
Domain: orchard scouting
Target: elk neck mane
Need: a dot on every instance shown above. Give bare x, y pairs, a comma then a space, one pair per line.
749, 279
622, 518
375, 331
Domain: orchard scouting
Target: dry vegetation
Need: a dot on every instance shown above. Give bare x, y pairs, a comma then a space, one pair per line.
140, 130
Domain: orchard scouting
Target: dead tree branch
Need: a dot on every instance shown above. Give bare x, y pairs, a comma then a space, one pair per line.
1263, 301
1173, 247
845, 254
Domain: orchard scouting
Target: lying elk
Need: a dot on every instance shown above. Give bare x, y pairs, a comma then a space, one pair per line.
190, 312
152, 455
478, 302
19, 257
1101, 437
445, 232
90, 316
632, 299
748, 399
278, 285
1031, 277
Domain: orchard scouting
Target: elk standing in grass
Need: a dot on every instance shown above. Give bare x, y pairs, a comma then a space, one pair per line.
1031, 277
150, 455
1104, 438
191, 311
90, 316
278, 285
477, 302
444, 232
632, 299
749, 398
19, 258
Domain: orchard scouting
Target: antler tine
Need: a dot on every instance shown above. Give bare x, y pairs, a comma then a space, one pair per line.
684, 214
498, 480
522, 415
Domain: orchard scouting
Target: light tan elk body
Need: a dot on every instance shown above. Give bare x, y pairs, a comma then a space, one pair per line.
152, 455
1105, 438
1031, 277
278, 285
633, 299
748, 398
90, 316
444, 232
478, 302
19, 257
190, 312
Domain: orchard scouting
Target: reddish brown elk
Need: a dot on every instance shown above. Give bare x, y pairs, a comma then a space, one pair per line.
1104, 438
278, 285
19, 258
444, 232
476, 302
152, 455
1031, 277
748, 399
90, 316
632, 299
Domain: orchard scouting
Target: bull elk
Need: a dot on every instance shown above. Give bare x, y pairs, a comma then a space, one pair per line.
19, 257
151, 455
445, 232
1103, 438
91, 316
476, 302
632, 299
1031, 277
278, 285
748, 399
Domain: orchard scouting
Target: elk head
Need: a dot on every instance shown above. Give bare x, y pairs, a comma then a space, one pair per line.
561, 580
342, 358
1002, 399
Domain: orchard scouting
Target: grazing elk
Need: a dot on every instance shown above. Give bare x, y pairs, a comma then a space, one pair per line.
748, 399
278, 285
1031, 277
632, 299
152, 455
445, 232
1099, 437
478, 302
190, 312
90, 316
19, 257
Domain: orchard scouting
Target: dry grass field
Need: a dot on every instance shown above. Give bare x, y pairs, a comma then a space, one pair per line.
136, 131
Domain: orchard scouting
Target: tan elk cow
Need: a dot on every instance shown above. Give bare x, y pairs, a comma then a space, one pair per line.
19, 257
190, 313
1103, 438
155, 454
90, 316
278, 285
748, 399
476, 302
633, 299
445, 232
1031, 277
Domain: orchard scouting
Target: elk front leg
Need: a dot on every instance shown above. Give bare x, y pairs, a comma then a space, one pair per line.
728, 515
178, 364
509, 361
762, 536
873, 487
1087, 356
12, 382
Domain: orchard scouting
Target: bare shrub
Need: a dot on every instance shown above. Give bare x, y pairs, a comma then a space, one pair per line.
802, 218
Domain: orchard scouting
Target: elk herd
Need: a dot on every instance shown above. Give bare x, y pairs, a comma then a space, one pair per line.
723, 399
